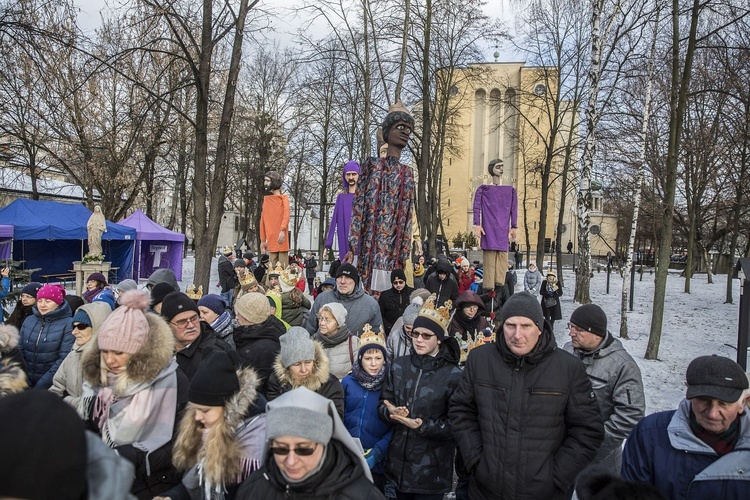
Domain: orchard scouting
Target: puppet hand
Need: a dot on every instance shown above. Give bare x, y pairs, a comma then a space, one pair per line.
282, 236
478, 231
512, 234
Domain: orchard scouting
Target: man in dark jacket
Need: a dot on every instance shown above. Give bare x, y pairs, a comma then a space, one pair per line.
443, 284
260, 271
415, 402
191, 335
702, 449
524, 415
257, 336
310, 266
393, 302
227, 276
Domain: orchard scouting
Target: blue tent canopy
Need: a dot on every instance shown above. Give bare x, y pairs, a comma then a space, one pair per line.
51, 235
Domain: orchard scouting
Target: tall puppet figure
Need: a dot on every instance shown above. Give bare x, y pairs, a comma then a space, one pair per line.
495, 218
342, 211
274, 221
381, 227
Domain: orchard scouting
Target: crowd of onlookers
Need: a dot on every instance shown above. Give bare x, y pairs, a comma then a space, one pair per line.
284, 385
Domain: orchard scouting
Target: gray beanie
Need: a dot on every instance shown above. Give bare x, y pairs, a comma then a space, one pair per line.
296, 346
338, 311
126, 285
410, 314
523, 304
299, 414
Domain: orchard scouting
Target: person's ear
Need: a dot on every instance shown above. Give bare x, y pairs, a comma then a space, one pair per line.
744, 400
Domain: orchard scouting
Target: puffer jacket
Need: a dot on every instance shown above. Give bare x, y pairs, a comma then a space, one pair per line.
340, 478
664, 452
446, 289
293, 314
321, 380
258, 346
393, 304
362, 421
421, 460
360, 309
45, 341
68, 380
532, 280
526, 427
618, 386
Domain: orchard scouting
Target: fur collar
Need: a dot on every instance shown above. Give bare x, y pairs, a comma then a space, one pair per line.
8, 338
12, 378
318, 377
222, 451
144, 365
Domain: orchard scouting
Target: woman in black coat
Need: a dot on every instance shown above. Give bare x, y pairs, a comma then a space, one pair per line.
551, 291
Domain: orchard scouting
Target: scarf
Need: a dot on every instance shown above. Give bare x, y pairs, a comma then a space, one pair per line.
329, 341
469, 326
222, 322
89, 295
369, 382
418, 270
143, 416
721, 443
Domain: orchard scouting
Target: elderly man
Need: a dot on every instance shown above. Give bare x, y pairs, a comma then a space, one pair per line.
615, 377
360, 308
701, 449
524, 414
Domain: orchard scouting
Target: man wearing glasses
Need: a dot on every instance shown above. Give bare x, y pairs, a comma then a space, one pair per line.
615, 377
191, 335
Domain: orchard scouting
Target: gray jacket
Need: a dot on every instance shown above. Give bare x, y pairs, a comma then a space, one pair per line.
360, 309
616, 380
532, 280
398, 343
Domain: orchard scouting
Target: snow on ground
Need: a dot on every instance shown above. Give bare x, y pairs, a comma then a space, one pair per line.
695, 324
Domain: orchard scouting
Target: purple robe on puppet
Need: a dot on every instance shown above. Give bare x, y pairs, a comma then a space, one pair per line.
495, 206
342, 213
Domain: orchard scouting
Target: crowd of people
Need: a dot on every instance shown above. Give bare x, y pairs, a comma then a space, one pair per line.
283, 385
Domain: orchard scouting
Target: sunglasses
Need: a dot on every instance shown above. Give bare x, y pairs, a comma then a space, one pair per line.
302, 451
81, 326
399, 282
425, 336
182, 323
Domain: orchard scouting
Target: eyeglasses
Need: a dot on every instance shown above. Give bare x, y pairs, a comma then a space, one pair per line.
302, 451
322, 319
425, 336
81, 326
401, 127
399, 282
575, 328
182, 323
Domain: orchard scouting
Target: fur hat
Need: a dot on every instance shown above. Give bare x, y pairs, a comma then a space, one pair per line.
126, 329
97, 277
296, 346
55, 293
523, 304
349, 271
31, 288
215, 381
434, 319
175, 303
338, 311
214, 302
48, 443
591, 318
371, 340
254, 307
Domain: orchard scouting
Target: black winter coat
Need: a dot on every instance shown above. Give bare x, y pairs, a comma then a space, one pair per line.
227, 277
258, 346
421, 460
393, 304
445, 290
340, 478
526, 427
551, 312
190, 357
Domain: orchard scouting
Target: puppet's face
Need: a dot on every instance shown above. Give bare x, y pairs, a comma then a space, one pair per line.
497, 169
399, 134
266, 183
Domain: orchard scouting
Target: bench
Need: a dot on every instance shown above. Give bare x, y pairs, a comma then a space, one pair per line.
61, 277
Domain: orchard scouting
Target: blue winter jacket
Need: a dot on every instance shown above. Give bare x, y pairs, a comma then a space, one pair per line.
44, 341
5, 287
362, 421
663, 451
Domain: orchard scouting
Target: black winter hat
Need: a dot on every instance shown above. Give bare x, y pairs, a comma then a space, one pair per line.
215, 381
591, 318
264, 258
248, 255
349, 271
523, 304
44, 447
159, 291
175, 303
715, 377
398, 274
31, 288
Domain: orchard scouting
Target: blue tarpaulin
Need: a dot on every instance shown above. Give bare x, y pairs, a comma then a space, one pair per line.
51, 235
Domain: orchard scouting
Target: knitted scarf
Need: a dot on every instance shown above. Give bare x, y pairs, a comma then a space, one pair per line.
142, 416
222, 322
369, 382
721, 443
89, 295
328, 341
418, 270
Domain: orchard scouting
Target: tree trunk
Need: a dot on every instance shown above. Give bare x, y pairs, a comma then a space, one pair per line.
677, 103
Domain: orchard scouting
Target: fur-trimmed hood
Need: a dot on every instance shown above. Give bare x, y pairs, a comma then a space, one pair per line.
8, 338
320, 372
12, 378
144, 365
233, 447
